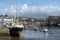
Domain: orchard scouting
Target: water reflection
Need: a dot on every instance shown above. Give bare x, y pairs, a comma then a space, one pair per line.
46, 34
29, 34
15, 38
37, 35
34, 35
52, 34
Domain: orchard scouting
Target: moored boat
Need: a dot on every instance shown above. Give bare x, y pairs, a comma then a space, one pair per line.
16, 29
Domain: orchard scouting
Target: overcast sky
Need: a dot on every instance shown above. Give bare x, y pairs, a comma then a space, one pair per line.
30, 8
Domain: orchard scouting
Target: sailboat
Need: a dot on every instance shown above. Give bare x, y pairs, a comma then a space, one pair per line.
16, 27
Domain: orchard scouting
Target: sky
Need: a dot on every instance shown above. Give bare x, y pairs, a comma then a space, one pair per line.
30, 8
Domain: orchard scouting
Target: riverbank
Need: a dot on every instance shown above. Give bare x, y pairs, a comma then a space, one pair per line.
4, 32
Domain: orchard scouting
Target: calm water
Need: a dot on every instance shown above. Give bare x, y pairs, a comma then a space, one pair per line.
53, 34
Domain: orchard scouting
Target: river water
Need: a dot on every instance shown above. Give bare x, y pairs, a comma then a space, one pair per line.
52, 34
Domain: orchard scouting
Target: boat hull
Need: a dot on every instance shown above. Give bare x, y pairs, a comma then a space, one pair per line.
15, 32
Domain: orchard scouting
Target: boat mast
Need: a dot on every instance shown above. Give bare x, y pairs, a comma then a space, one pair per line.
18, 12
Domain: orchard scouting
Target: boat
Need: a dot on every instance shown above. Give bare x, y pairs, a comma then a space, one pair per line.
45, 30
16, 29
35, 28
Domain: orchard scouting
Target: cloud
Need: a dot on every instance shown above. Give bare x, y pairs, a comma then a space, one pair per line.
13, 9
9, 10
46, 9
26, 10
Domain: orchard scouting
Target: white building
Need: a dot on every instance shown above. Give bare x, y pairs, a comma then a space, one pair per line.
6, 20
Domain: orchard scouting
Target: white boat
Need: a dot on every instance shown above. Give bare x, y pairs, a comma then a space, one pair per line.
45, 30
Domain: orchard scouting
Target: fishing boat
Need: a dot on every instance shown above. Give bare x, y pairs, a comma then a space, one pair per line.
16, 29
